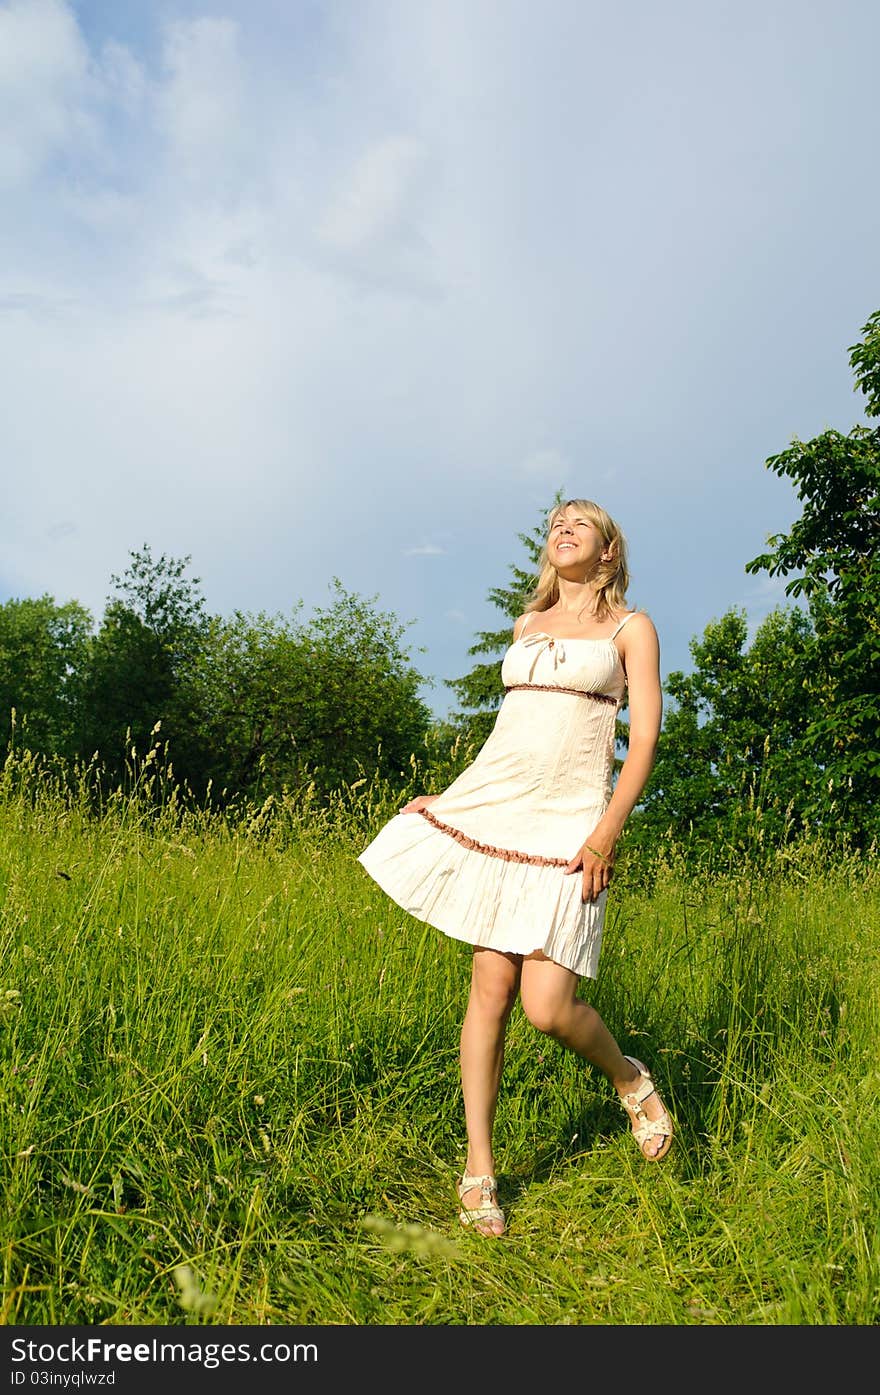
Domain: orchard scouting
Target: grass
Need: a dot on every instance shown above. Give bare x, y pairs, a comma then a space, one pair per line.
230, 1090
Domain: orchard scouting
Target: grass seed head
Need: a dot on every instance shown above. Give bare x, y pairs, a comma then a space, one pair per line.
190, 1295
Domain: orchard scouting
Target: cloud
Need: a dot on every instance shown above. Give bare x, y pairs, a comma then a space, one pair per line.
373, 203
372, 230
433, 261
201, 105
123, 78
44, 87
40, 303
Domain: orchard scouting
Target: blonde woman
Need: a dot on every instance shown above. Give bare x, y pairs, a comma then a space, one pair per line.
515, 857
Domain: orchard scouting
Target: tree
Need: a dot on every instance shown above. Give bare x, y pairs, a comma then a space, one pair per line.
481, 691
246, 706
731, 765
277, 702
149, 637
241, 695
835, 550
42, 654
364, 708
167, 602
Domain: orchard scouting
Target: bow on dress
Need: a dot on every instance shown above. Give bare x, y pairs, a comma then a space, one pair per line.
546, 641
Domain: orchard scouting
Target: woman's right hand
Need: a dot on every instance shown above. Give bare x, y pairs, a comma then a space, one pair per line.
421, 801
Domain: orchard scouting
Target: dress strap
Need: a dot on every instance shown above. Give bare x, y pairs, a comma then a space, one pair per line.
623, 622
525, 622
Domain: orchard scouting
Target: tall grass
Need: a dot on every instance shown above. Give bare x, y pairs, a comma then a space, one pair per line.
230, 1091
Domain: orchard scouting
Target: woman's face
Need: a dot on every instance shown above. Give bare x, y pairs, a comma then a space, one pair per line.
574, 544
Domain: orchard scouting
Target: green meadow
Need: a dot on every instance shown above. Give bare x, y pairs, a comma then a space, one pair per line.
230, 1091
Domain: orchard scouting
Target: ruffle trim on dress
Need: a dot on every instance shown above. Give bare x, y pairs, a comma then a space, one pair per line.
490, 850
511, 906
557, 688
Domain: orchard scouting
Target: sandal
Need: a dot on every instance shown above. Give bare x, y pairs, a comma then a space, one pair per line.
488, 1209
646, 1128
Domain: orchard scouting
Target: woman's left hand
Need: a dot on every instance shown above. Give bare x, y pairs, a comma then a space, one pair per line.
421, 801
596, 859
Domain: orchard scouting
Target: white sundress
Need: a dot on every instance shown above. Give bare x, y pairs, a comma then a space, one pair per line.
485, 862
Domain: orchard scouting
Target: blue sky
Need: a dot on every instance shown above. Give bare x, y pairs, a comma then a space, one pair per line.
311, 290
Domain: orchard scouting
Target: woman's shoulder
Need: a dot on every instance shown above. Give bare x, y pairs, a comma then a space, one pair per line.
636, 636
634, 620
521, 622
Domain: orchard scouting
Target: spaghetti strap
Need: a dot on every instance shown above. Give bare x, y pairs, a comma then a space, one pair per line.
525, 622
622, 623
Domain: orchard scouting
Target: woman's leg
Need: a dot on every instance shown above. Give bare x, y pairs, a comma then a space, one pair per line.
549, 998
494, 984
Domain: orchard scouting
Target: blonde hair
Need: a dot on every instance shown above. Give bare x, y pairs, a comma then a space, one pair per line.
611, 578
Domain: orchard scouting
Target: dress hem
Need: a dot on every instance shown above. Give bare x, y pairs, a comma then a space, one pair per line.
444, 893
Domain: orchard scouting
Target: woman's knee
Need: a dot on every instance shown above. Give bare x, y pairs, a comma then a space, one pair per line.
548, 996
494, 985
552, 1012
546, 1015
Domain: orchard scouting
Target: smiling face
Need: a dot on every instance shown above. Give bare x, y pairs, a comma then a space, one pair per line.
584, 546
574, 543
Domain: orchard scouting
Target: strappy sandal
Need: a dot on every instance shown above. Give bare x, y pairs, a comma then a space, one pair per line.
488, 1209
646, 1128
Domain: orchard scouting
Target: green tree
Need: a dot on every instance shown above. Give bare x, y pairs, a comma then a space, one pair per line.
731, 766
149, 637
364, 704
42, 657
480, 691
278, 702
242, 704
834, 551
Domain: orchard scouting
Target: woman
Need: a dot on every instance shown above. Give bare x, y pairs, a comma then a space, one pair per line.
516, 855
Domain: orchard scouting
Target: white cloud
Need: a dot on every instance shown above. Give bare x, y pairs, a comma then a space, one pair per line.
44, 87
430, 260
201, 103
123, 78
374, 202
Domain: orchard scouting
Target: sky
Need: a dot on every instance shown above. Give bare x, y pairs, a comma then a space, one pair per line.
351, 289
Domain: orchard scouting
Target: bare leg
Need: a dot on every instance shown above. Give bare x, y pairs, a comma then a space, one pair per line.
494, 984
549, 999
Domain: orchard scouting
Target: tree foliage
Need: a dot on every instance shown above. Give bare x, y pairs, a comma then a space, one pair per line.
151, 633
480, 691
730, 762
832, 553
782, 736
277, 702
43, 649
240, 707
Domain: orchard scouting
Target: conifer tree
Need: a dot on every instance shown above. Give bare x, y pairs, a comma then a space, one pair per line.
480, 691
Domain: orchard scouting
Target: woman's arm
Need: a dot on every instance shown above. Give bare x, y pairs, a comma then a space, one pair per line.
641, 660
